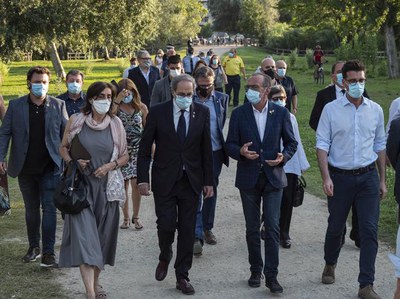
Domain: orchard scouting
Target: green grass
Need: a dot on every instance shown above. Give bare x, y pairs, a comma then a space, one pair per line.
28, 281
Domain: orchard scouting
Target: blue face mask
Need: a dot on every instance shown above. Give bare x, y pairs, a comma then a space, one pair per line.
128, 99
279, 103
231, 55
39, 89
74, 87
281, 72
339, 79
356, 90
183, 102
215, 61
253, 96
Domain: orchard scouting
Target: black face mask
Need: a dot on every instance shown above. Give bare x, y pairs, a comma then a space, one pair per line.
270, 73
204, 92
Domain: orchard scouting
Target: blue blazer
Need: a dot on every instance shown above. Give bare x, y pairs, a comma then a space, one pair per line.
16, 127
243, 129
144, 89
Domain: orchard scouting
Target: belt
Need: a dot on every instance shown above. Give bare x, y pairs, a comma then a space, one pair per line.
357, 171
233, 75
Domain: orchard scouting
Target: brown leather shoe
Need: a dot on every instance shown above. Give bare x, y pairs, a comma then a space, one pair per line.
161, 270
328, 276
185, 286
209, 237
368, 293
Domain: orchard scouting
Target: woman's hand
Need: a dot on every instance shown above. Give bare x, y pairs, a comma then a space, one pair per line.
122, 94
83, 163
103, 170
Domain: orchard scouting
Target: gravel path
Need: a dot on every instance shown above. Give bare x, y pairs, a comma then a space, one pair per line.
223, 270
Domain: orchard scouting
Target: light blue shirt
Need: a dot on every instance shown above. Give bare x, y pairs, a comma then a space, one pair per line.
352, 137
186, 63
177, 114
215, 140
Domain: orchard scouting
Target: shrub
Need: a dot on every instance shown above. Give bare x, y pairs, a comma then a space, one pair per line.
293, 58
309, 58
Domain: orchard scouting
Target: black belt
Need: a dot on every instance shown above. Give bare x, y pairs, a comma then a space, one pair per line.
232, 75
357, 171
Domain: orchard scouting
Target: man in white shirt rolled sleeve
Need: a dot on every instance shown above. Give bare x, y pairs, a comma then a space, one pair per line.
351, 147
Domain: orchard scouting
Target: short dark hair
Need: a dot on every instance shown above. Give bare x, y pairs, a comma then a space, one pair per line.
174, 59
75, 73
184, 77
334, 66
37, 70
94, 90
204, 72
352, 65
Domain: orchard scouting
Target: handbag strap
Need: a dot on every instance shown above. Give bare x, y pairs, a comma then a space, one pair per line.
302, 181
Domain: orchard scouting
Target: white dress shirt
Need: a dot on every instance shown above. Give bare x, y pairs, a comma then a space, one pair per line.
339, 92
351, 136
177, 114
146, 75
261, 120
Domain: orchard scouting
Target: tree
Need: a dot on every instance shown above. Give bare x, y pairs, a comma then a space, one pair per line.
226, 14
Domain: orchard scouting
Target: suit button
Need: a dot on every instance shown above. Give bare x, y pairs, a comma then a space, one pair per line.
261, 150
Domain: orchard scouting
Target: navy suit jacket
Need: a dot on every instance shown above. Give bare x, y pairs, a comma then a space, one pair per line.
243, 129
16, 127
393, 153
144, 89
170, 155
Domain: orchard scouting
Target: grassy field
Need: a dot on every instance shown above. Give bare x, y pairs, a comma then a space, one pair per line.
28, 281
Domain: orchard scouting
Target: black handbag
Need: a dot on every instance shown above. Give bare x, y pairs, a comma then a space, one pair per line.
70, 194
299, 195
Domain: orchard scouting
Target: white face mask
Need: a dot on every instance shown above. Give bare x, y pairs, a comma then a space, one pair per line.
174, 73
101, 106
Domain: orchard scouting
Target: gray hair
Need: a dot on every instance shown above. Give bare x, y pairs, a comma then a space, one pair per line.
185, 77
141, 53
267, 81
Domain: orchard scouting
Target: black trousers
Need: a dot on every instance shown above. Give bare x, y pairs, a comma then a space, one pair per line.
287, 206
177, 211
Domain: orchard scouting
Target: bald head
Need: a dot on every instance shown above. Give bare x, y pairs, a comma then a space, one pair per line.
281, 64
267, 63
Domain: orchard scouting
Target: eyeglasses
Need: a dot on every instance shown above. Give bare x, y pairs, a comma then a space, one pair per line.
206, 86
353, 81
278, 99
182, 94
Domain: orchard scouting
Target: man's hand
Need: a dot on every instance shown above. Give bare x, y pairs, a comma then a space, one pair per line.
83, 163
3, 167
382, 190
208, 191
278, 160
244, 151
144, 189
327, 186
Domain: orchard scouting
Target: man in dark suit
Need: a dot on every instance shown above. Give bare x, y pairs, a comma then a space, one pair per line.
144, 76
325, 96
181, 170
217, 103
393, 152
35, 123
162, 88
256, 130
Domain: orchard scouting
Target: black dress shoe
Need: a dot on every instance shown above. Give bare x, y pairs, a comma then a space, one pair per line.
255, 279
161, 270
273, 285
286, 243
185, 286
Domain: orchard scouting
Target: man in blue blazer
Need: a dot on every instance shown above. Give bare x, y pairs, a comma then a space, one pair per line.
144, 76
256, 130
35, 123
217, 103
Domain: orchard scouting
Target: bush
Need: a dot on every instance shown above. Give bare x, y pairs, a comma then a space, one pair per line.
293, 58
381, 70
309, 58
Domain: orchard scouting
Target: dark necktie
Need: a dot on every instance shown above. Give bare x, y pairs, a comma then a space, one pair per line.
191, 65
181, 129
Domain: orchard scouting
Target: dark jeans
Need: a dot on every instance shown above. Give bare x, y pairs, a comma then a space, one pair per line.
362, 191
206, 210
38, 190
251, 200
287, 206
233, 83
177, 211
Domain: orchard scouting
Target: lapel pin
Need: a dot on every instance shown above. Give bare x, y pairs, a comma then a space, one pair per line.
271, 111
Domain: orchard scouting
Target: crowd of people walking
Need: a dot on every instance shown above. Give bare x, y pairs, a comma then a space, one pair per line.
159, 131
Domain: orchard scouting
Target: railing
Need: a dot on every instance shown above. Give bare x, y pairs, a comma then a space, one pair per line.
77, 55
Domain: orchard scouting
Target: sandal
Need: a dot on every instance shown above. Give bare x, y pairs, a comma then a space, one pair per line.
100, 292
126, 224
137, 224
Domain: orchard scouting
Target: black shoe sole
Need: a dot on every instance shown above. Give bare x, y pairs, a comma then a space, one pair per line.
187, 293
254, 285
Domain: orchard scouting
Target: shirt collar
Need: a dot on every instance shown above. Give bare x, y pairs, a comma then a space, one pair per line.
177, 109
345, 101
264, 111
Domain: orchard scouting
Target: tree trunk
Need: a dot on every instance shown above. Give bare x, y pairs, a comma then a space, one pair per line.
391, 52
55, 59
106, 54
